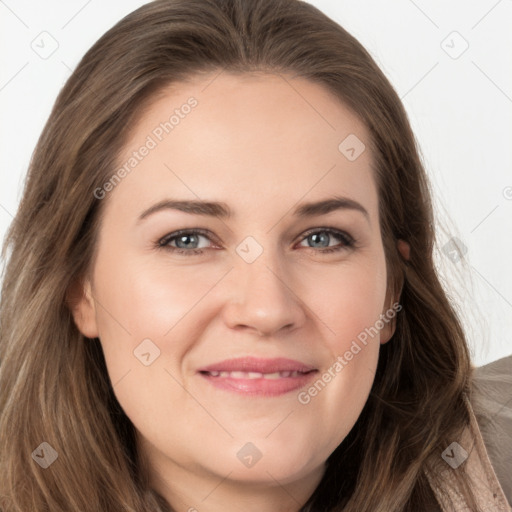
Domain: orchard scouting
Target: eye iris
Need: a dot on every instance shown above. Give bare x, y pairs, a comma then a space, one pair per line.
183, 238
318, 238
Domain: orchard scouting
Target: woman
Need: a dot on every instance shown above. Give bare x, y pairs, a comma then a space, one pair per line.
262, 369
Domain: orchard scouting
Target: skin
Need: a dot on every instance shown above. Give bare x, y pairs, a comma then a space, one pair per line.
263, 145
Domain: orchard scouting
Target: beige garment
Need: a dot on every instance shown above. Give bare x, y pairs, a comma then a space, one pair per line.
488, 438
492, 403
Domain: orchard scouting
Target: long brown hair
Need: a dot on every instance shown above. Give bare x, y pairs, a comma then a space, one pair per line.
54, 385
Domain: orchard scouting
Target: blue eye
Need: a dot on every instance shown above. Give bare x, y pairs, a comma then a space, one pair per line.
186, 241
324, 235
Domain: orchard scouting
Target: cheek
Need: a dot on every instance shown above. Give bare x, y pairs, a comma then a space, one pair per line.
350, 309
145, 328
349, 302
143, 297
140, 301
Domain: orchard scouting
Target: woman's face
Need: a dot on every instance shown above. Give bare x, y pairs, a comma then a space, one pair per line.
255, 164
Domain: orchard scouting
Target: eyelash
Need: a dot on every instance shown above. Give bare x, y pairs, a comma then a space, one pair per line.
163, 243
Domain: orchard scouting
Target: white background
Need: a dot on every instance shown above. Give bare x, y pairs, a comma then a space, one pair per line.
460, 110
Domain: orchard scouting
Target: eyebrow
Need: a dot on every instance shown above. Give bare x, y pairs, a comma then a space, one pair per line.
221, 210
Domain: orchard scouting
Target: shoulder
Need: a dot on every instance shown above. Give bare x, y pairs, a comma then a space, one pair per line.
492, 404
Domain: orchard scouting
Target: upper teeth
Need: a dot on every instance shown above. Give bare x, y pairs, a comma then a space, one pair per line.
255, 375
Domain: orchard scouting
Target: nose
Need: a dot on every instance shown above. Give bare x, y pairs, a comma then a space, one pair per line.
264, 297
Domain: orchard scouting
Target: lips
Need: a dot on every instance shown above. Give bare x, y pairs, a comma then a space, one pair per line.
253, 376
256, 375
257, 365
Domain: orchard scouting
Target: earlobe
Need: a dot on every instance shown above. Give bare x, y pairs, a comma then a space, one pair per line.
404, 248
387, 332
81, 304
386, 321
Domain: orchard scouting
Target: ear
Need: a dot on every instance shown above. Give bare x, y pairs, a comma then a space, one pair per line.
404, 248
387, 318
389, 327
389, 313
82, 306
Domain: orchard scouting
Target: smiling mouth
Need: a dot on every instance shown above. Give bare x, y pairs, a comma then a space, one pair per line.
256, 375
258, 384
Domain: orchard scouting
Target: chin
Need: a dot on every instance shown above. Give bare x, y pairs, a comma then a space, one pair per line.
271, 464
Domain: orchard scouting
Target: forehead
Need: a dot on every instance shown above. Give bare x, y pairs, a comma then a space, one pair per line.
248, 139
